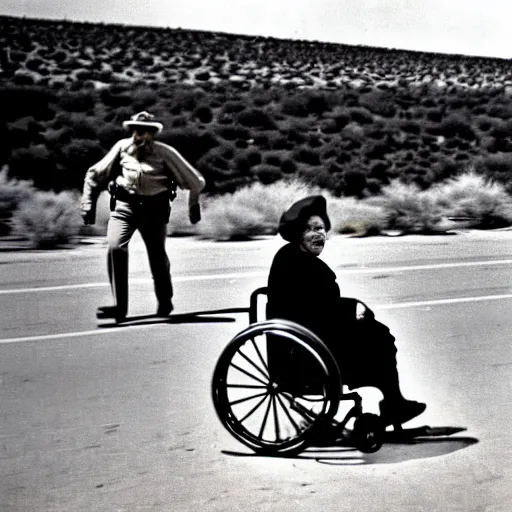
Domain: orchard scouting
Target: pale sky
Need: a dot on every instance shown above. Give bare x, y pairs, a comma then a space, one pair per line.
470, 27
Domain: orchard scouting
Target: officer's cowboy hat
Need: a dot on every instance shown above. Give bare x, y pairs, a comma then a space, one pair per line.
143, 120
293, 220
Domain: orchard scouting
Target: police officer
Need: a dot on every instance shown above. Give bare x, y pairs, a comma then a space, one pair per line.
142, 175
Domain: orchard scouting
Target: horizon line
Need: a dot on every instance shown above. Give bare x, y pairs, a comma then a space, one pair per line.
254, 36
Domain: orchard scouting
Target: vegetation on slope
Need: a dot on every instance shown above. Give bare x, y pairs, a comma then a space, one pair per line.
250, 112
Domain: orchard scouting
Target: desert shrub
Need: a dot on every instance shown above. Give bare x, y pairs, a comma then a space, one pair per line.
379, 103
435, 115
109, 133
267, 173
253, 210
407, 208
361, 115
256, 118
317, 103
349, 215
295, 106
496, 166
354, 183
47, 219
24, 78
59, 56
143, 99
262, 98
190, 142
83, 126
456, 125
241, 163
288, 166
341, 117
233, 107
203, 113
113, 99
22, 132
472, 195
12, 192
306, 155
233, 132
354, 132
329, 126
34, 64
32, 163
410, 127
77, 157
502, 111
228, 219
254, 157
18, 102
273, 158
377, 150
185, 99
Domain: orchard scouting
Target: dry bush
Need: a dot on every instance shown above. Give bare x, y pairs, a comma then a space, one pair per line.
349, 215
12, 193
407, 208
47, 219
251, 211
483, 201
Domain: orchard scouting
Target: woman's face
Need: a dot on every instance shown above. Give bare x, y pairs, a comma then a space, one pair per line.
314, 236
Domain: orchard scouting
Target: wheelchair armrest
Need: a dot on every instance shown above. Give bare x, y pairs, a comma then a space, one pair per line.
253, 304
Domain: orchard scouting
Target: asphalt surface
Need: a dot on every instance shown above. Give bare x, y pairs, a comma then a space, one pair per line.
95, 417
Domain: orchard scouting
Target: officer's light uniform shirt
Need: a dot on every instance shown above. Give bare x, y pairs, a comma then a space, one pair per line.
144, 171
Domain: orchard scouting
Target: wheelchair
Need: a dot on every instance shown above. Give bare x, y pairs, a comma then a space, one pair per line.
277, 389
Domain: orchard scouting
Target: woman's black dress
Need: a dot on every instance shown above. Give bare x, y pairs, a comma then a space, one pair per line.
302, 288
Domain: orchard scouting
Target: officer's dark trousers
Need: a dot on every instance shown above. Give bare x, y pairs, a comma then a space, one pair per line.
150, 216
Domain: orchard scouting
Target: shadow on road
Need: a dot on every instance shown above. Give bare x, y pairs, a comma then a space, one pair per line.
341, 454
195, 317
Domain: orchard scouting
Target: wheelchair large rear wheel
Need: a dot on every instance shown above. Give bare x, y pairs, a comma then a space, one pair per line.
274, 385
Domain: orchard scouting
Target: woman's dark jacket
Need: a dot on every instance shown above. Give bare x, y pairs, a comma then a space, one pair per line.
302, 288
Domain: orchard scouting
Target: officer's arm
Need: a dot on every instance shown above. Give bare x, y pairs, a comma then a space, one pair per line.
186, 176
95, 181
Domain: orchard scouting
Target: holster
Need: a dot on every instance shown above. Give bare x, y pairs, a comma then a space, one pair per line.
172, 186
112, 189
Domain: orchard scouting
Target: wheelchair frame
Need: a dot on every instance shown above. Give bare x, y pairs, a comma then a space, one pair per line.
280, 410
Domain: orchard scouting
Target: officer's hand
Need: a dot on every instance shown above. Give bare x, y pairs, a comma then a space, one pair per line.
194, 213
89, 217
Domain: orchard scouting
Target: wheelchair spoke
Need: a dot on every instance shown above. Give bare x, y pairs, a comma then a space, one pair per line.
251, 375
253, 364
256, 348
265, 418
288, 415
300, 409
276, 418
251, 412
246, 386
247, 398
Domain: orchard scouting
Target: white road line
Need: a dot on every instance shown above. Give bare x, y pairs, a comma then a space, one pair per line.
436, 266
136, 280
114, 330
440, 302
79, 334
245, 275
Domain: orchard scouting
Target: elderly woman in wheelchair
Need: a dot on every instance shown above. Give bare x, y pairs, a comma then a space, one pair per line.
278, 384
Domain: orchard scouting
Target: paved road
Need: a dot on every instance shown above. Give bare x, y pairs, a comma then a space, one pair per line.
120, 419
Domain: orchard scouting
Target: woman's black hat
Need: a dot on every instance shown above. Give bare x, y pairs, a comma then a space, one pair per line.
293, 221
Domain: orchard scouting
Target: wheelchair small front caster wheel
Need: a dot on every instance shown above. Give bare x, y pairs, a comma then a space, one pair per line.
368, 433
